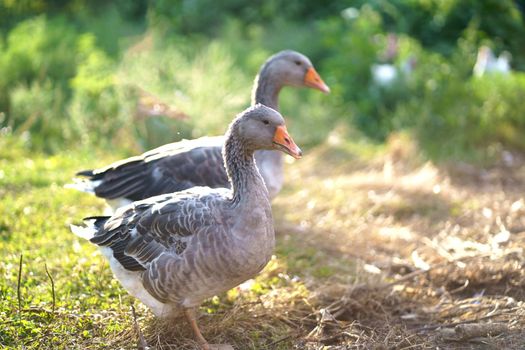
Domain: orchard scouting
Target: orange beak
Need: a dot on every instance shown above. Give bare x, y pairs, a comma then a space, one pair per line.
284, 142
313, 80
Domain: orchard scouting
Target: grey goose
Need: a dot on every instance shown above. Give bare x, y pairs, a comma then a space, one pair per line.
172, 251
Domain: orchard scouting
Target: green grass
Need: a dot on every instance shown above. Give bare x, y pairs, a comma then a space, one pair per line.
35, 212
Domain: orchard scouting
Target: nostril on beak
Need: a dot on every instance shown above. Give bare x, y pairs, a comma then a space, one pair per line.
287, 140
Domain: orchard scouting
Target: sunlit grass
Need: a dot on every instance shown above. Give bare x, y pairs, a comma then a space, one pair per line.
35, 211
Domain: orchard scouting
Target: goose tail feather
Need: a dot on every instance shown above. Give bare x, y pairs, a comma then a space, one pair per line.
93, 225
87, 186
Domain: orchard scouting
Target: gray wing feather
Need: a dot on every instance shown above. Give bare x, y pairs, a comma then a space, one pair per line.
170, 168
140, 233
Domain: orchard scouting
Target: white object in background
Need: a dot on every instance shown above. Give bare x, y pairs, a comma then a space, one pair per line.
384, 74
487, 62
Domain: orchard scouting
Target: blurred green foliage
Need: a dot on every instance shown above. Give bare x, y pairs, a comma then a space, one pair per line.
437, 25
74, 73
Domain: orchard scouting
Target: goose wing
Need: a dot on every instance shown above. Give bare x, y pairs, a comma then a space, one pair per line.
169, 168
143, 231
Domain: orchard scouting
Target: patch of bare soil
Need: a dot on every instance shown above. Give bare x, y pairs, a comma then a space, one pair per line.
437, 252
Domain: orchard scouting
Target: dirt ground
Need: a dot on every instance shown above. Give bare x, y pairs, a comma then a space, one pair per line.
437, 251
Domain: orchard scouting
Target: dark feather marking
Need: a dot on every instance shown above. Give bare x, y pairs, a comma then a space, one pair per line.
129, 263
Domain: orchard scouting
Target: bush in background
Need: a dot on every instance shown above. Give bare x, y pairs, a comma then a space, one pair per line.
83, 73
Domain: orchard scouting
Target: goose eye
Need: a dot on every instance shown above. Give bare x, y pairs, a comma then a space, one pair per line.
266, 122
298, 63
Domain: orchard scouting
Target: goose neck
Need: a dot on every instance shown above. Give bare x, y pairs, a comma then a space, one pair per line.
246, 181
266, 89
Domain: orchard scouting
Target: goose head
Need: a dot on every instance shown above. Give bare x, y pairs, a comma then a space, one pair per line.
293, 68
262, 127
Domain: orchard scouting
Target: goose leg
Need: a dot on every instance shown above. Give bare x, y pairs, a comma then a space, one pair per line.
190, 316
